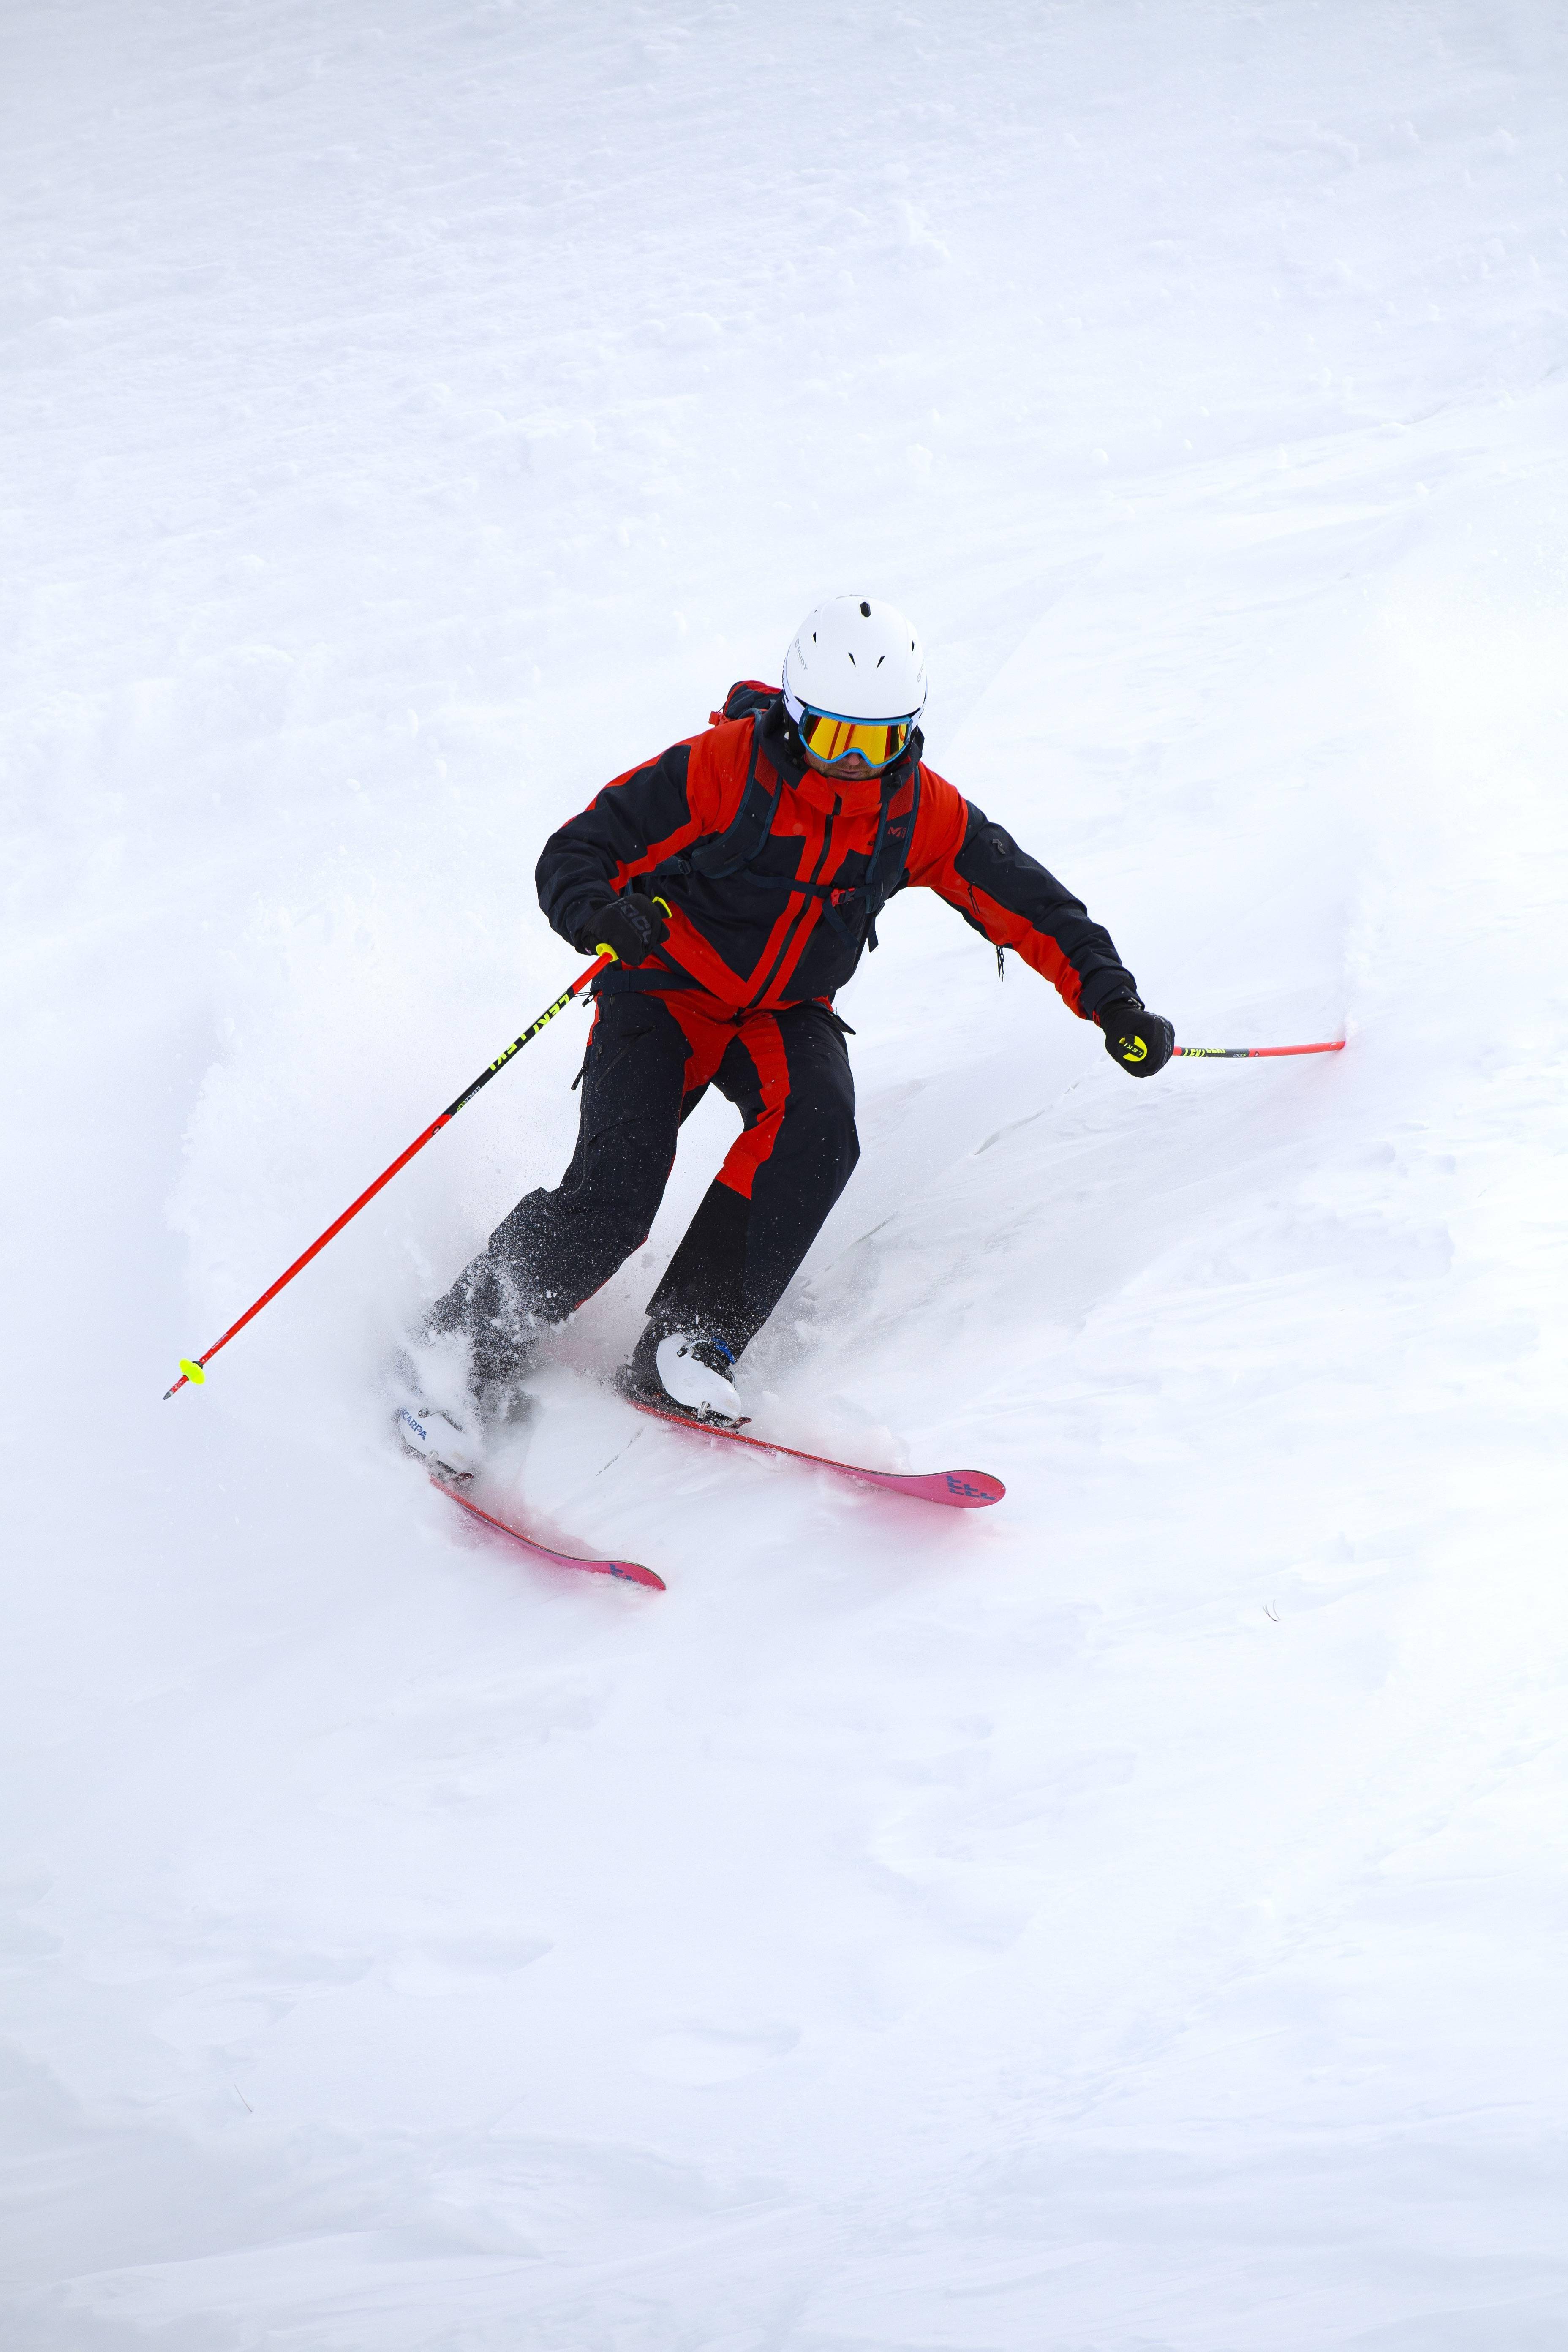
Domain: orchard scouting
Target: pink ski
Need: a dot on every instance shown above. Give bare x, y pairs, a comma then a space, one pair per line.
628, 1569
963, 1490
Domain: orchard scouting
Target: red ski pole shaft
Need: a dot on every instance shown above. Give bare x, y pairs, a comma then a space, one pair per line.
1256, 1053
195, 1370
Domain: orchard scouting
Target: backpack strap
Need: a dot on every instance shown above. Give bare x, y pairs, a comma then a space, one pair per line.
890, 855
728, 850
718, 860
896, 817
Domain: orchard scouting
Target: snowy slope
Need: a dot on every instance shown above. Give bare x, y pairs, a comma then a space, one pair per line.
1131, 1919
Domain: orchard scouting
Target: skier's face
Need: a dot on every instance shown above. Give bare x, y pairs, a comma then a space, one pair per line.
855, 770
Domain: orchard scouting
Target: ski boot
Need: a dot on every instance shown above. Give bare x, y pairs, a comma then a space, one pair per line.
434, 1414
462, 1380
449, 1451
685, 1372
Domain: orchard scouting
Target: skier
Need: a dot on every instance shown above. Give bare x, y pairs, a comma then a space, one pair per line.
736, 880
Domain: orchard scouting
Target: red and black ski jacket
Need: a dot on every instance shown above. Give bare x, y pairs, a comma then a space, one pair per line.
775, 874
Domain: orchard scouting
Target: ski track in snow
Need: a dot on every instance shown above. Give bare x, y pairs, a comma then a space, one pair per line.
1130, 1920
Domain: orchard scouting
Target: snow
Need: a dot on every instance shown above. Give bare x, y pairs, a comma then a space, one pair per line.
1129, 1920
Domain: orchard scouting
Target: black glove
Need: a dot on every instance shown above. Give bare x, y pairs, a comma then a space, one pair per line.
1141, 1042
631, 928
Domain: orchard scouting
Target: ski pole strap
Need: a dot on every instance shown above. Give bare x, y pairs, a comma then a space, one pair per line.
1256, 1053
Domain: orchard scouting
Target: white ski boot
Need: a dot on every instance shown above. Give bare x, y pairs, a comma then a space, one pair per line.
451, 1450
689, 1372
433, 1408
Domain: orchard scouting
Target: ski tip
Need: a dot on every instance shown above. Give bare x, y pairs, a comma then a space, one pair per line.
634, 1574
972, 1489
630, 1571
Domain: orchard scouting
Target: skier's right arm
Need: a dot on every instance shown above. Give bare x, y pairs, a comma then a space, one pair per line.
641, 819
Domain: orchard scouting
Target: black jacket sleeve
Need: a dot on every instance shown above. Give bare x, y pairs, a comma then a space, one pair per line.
1009, 897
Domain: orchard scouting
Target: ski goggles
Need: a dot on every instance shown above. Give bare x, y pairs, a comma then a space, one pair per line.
830, 741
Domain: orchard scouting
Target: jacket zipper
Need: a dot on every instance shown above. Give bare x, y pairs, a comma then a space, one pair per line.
787, 942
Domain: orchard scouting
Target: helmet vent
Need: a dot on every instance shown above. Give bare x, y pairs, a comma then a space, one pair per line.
865, 611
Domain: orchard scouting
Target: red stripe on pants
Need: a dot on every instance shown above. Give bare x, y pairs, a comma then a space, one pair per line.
710, 1038
762, 1041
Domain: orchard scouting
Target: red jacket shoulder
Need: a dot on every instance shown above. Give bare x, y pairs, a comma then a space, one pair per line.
940, 828
716, 771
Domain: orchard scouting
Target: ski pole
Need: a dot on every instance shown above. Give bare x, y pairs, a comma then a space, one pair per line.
194, 1370
1255, 1053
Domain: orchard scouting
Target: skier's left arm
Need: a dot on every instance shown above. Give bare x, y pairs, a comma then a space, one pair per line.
1008, 896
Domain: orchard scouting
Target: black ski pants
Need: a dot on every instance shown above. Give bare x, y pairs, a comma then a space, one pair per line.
650, 1059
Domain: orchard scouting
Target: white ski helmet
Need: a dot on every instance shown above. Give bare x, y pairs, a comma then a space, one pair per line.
858, 658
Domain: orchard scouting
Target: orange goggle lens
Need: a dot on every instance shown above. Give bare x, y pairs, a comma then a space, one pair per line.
830, 740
